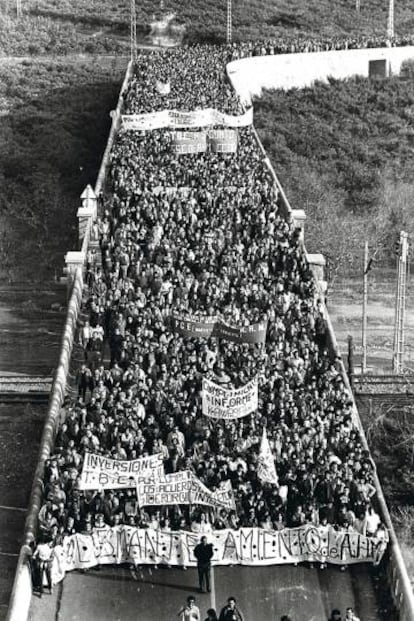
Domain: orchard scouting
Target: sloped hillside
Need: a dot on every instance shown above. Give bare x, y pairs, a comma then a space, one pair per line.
102, 26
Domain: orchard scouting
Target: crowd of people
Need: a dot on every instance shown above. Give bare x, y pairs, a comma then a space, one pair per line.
301, 44
204, 234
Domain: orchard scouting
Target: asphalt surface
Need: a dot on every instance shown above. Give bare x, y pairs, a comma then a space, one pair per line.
263, 593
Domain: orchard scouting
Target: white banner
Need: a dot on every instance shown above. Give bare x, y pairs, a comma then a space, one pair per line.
266, 469
246, 546
219, 402
100, 472
188, 142
183, 488
177, 119
223, 140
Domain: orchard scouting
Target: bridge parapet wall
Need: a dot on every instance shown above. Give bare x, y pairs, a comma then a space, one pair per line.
19, 605
249, 76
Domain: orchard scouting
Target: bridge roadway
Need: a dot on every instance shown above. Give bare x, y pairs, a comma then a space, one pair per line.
263, 593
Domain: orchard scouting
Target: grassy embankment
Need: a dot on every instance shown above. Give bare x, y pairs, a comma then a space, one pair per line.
344, 152
53, 130
102, 26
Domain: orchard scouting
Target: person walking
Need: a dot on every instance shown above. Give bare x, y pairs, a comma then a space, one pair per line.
204, 553
211, 615
189, 612
42, 565
231, 612
350, 615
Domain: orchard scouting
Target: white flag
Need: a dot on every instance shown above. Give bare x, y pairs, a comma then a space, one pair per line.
164, 88
266, 470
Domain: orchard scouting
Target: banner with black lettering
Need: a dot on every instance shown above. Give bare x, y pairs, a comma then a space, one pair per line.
223, 140
223, 403
183, 143
207, 326
181, 120
99, 472
246, 546
183, 488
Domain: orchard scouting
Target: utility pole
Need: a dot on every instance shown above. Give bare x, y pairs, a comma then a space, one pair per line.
399, 326
19, 11
390, 25
229, 22
351, 360
133, 31
364, 310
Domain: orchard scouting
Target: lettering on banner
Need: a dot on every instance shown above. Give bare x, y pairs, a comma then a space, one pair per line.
207, 326
100, 472
246, 546
219, 402
180, 120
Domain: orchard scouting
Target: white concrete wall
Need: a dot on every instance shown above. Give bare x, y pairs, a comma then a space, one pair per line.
250, 75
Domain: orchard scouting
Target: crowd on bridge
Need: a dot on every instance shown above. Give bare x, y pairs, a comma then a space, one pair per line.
204, 234
301, 44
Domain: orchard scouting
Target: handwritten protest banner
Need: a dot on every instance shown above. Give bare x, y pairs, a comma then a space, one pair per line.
99, 472
222, 140
179, 120
207, 326
219, 402
188, 142
246, 546
182, 488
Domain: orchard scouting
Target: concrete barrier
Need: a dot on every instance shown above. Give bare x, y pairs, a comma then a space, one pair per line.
19, 604
250, 76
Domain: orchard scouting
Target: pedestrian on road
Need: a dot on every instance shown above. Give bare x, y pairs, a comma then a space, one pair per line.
204, 553
335, 615
211, 615
231, 612
190, 612
42, 565
350, 616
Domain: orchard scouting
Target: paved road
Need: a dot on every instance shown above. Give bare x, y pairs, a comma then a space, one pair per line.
264, 594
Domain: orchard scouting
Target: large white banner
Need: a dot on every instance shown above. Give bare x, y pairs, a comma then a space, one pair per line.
177, 119
246, 546
99, 472
219, 402
183, 488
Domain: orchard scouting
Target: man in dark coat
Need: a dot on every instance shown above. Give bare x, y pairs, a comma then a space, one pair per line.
204, 553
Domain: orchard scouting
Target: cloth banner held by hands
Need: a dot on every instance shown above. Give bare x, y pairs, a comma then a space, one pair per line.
224, 403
